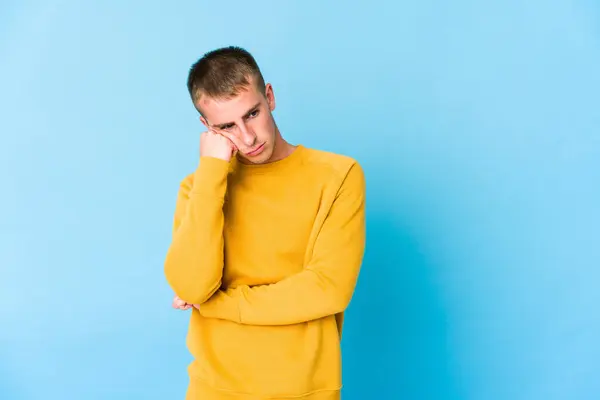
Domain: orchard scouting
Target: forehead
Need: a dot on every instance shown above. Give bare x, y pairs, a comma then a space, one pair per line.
219, 111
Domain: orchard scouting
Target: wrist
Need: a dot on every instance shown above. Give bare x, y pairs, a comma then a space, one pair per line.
223, 157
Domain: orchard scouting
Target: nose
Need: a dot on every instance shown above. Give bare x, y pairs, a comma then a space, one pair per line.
247, 136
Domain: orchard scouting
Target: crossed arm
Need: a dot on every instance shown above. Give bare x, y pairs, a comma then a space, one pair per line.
325, 286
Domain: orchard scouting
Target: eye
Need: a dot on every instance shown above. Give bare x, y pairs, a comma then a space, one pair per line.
253, 114
227, 127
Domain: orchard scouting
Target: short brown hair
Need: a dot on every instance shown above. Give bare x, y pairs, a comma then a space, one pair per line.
223, 73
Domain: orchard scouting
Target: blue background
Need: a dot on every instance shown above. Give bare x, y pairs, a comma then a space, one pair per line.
478, 125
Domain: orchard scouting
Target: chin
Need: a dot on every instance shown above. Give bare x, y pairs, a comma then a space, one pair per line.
262, 158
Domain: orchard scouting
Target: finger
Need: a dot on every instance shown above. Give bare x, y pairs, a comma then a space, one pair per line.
228, 136
178, 302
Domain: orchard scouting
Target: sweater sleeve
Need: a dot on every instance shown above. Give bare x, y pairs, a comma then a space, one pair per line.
324, 287
194, 262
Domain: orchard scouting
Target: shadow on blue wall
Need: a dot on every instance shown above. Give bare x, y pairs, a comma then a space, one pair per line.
395, 338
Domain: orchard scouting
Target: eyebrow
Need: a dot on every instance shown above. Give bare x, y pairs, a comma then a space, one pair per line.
220, 126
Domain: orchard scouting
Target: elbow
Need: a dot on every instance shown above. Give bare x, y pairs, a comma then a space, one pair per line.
190, 288
199, 294
191, 291
336, 294
339, 301
342, 293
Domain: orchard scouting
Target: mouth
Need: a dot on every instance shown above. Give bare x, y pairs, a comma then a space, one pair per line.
256, 151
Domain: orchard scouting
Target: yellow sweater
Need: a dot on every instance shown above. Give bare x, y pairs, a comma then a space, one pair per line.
272, 254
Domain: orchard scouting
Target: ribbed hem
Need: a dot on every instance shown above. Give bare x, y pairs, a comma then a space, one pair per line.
199, 390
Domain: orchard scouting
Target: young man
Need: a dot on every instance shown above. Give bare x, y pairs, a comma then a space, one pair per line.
267, 244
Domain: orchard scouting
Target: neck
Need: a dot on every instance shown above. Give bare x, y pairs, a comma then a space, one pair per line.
282, 148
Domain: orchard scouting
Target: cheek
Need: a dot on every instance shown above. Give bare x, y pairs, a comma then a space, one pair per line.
263, 125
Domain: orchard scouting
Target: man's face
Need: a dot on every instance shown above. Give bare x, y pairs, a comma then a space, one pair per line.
247, 119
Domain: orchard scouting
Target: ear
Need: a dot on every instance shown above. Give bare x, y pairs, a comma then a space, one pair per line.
270, 95
204, 122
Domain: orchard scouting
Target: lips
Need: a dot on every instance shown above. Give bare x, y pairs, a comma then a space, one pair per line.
256, 151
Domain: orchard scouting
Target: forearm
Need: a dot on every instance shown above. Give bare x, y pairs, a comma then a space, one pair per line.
194, 261
309, 295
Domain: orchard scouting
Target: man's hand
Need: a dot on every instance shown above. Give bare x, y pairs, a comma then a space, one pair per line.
213, 144
182, 305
